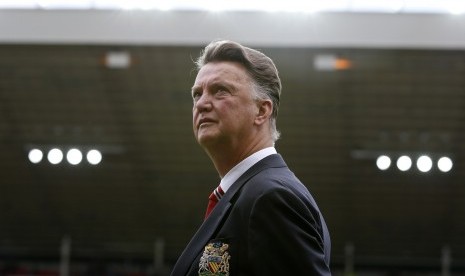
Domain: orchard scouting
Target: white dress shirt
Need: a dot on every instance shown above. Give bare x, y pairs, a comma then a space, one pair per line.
243, 166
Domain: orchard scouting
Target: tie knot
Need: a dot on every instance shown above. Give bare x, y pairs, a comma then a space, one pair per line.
217, 194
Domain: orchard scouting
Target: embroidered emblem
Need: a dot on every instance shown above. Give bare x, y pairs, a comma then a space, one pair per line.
215, 260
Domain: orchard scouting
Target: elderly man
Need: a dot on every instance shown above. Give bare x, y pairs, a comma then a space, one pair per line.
265, 221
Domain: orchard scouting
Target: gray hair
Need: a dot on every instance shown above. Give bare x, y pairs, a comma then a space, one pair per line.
261, 69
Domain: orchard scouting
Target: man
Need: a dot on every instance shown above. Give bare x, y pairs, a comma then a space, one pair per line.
265, 222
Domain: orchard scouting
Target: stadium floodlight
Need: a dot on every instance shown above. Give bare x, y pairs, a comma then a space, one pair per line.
94, 157
404, 163
74, 156
445, 164
35, 155
55, 156
424, 163
383, 162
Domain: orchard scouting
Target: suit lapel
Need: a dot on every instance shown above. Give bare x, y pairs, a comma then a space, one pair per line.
207, 230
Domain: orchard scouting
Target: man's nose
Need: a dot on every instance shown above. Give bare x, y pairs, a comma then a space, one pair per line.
203, 103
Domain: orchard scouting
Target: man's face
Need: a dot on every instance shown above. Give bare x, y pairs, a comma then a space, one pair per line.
224, 109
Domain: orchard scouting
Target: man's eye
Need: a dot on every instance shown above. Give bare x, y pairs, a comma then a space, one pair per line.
195, 95
222, 91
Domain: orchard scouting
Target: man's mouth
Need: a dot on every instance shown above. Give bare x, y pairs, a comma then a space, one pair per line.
204, 121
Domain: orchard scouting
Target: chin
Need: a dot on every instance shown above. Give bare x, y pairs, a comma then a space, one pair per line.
207, 140
204, 141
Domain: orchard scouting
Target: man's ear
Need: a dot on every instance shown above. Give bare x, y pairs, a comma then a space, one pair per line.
265, 108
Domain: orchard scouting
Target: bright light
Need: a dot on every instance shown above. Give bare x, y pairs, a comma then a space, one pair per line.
455, 7
404, 163
35, 156
376, 6
118, 60
424, 163
383, 6
326, 62
445, 164
134, 4
94, 157
55, 156
17, 4
215, 5
60, 4
383, 162
334, 5
74, 156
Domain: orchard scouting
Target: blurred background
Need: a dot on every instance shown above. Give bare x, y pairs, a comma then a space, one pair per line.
100, 173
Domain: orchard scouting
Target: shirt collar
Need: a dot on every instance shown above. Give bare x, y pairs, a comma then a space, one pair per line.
243, 166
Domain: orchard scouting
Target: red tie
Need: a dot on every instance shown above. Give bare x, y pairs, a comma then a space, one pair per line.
215, 196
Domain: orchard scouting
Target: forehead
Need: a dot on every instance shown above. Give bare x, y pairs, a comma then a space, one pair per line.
225, 70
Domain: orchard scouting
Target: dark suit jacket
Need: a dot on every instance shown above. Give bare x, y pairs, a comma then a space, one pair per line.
267, 223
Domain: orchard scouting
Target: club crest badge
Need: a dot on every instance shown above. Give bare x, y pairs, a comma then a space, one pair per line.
215, 260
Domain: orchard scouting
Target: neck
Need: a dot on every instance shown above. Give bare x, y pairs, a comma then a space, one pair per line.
224, 158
